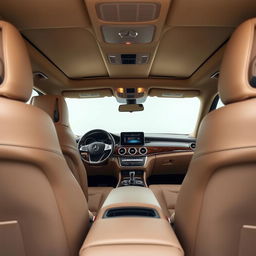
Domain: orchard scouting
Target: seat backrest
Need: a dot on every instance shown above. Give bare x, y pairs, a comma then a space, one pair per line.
56, 107
43, 210
216, 210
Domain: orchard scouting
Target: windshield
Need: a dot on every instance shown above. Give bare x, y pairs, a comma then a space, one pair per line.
160, 115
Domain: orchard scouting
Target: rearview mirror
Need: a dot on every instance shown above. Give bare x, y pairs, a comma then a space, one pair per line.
131, 108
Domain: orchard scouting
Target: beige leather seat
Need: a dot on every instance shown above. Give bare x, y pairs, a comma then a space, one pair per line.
43, 210
57, 109
216, 211
167, 197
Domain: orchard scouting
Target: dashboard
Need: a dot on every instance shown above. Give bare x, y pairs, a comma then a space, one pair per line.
146, 154
148, 144
132, 146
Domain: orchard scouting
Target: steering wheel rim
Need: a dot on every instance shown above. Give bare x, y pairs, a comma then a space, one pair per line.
96, 152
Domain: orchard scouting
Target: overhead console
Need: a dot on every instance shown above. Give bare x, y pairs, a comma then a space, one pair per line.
128, 32
131, 223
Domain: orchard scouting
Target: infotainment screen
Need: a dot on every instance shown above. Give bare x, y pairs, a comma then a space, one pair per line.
132, 138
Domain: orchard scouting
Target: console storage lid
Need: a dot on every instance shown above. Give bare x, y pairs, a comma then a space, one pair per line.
138, 236
130, 195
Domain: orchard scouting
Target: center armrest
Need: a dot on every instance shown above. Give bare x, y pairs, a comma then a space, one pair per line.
131, 231
131, 194
131, 223
138, 235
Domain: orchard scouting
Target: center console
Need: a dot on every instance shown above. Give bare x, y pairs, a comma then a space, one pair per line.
131, 222
132, 178
132, 159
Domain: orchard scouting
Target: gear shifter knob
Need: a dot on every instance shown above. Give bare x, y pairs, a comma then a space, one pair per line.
132, 177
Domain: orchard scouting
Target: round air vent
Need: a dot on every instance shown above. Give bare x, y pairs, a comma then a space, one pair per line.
132, 151
121, 151
143, 151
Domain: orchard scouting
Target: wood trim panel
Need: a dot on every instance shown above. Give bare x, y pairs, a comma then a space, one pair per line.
152, 150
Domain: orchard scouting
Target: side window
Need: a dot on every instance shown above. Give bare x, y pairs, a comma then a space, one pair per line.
217, 103
220, 104
34, 93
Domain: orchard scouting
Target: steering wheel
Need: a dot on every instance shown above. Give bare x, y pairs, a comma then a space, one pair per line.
96, 146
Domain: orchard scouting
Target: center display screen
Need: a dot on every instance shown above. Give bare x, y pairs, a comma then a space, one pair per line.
132, 138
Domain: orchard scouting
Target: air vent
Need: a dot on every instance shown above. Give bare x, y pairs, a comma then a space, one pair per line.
143, 151
128, 12
132, 151
131, 212
122, 151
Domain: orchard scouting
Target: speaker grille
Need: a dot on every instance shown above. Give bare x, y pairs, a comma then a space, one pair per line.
128, 12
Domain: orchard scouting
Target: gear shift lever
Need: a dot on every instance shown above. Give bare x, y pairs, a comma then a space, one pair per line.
131, 178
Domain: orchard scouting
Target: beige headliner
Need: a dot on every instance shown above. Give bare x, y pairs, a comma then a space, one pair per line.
188, 32
64, 43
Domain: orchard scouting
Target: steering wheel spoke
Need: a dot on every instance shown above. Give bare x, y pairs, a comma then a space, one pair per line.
108, 147
84, 148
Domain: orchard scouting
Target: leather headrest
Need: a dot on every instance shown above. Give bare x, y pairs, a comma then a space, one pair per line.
55, 106
237, 80
16, 79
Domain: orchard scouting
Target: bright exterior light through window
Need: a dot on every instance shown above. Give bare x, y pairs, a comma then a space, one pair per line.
160, 115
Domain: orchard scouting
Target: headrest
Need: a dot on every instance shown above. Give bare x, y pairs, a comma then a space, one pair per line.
16, 80
237, 80
55, 106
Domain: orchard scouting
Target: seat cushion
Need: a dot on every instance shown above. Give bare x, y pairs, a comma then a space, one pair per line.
96, 197
167, 196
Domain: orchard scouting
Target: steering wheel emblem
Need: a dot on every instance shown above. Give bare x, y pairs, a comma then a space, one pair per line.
95, 148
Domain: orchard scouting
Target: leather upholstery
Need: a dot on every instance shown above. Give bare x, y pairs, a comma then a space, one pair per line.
138, 230
56, 107
37, 190
14, 65
217, 197
96, 197
152, 237
131, 235
239, 65
167, 196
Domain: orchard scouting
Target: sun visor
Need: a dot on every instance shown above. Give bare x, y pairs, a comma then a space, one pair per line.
98, 93
167, 93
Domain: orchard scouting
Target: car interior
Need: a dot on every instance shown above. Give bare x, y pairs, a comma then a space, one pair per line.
127, 127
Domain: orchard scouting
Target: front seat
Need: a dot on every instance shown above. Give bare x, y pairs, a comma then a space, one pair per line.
216, 210
43, 210
56, 107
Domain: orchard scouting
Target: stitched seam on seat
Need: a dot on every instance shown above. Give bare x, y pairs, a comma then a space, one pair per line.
43, 149
217, 151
